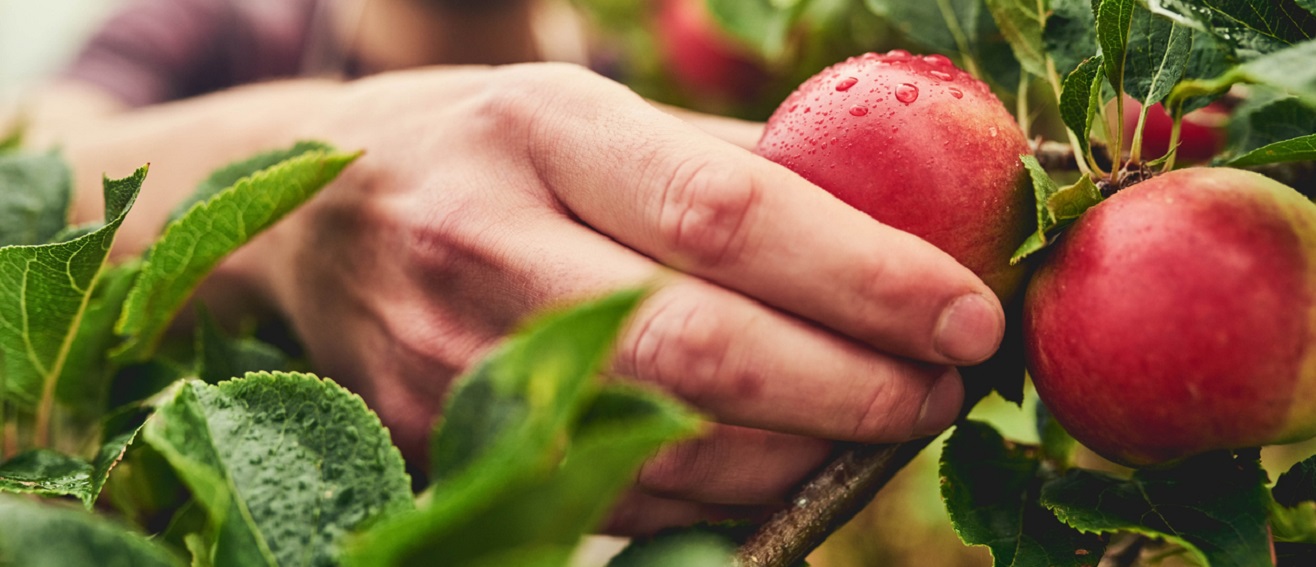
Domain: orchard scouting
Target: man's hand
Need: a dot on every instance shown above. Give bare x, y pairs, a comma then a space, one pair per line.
487, 194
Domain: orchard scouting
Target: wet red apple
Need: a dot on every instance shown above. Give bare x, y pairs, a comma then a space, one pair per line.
1201, 134
1179, 317
704, 60
919, 145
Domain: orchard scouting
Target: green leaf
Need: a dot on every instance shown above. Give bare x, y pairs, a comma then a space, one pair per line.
35, 191
1157, 55
221, 358
682, 548
505, 503
532, 386
762, 24
1021, 22
1080, 90
12, 141
1058, 446
46, 472
1289, 70
1297, 149
1114, 20
83, 386
50, 473
120, 430
38, 535
44, 293
963, 28
1215, 506
1070, 34
1057, 207
990, 488
1267, 117
231, 174
285, 464
1293, 518
1249, 27
1208, 58
195, 243
1297, 485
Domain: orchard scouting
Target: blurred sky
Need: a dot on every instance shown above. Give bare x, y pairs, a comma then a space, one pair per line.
38, 36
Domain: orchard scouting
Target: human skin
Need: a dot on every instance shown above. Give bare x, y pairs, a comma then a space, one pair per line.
486, 194
1177, 317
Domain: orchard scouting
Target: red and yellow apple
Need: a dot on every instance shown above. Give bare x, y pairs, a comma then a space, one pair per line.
1179, 317
919, 145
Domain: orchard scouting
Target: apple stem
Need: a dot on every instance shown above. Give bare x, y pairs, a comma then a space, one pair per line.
1135, 149
826, 502
1175, 128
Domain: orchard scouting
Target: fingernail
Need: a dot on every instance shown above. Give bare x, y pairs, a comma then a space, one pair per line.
942, 405
969, 330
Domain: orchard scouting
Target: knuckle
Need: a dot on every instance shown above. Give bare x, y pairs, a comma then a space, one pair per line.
676, 472
889, 410
680, 344
517, 103
705, 210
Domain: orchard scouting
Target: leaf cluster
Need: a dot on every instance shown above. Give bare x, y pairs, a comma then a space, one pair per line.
214, 452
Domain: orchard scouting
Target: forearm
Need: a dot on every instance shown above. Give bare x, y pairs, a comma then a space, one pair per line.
183, 142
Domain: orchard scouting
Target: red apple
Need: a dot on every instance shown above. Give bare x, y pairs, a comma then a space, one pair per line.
1201, 135
919, 145
1179, 317
704, 60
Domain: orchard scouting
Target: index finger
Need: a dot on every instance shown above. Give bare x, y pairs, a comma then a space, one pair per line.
706, 207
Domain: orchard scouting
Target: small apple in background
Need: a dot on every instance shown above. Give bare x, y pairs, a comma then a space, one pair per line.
919, 145
1179, 317
705, 62
1201, 136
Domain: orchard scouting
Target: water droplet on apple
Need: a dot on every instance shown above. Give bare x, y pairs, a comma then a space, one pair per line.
897, 53
992, 131
906, 93
956, 92
846, 83
942, 75
935, 59
858, 110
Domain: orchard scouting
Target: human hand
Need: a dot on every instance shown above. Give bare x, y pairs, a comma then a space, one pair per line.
487, 194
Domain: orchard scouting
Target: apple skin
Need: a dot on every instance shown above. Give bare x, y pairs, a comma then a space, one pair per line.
1179, 317
702, 59
1201, 135
919, 145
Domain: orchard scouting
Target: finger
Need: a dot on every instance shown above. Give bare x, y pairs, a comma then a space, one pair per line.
733, 465
737, 359
742, 133
706, 207
753, 366
639, 514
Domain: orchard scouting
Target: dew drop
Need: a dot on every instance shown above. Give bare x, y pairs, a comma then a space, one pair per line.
897, 53
858, 110
808, 109
938, 60
906, 93
956, 93
942, 75
846, 83
992, 131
